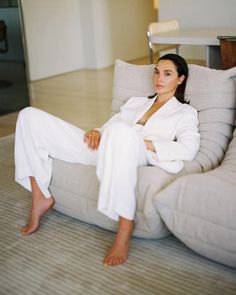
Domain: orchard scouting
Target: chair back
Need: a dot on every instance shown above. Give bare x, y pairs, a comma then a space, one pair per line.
159, 27
228, 51
163, 26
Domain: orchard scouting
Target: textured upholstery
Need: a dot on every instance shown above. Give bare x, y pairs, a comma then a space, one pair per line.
211, 92
200, 210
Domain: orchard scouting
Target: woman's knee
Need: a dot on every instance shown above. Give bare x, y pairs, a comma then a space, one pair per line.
26, 113
121, 132
30, 114
119, 128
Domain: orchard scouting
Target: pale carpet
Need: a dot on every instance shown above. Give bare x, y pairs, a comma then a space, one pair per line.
65, 255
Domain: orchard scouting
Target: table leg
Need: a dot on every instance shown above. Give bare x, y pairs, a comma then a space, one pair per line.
213, 57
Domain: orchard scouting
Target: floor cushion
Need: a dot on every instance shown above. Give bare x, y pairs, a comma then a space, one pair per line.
75, 187
200, 209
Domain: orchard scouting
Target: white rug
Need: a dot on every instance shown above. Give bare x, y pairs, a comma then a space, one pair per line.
65, 255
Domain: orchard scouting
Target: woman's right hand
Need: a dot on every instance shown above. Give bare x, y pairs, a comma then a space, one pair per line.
92, 138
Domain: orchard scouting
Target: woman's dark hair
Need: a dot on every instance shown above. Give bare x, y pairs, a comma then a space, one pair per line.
182, 69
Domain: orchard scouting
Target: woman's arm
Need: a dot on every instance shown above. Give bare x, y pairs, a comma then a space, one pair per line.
186, 144
93, 137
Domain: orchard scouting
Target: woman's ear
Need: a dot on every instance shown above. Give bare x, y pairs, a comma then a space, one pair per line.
181, 79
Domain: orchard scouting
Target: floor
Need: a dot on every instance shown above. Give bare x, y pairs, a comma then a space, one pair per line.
82, 98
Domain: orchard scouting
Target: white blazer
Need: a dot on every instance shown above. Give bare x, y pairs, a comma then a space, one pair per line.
173, 129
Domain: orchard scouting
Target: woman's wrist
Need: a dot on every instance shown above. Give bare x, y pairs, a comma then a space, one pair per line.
149, 145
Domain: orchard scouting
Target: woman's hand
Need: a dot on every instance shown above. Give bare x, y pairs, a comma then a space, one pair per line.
149, 145
92, 138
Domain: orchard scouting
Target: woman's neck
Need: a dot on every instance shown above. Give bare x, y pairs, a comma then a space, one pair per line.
164, 98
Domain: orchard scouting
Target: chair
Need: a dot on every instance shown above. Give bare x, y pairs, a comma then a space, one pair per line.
228, 51
159, 27
206, 223
4, 48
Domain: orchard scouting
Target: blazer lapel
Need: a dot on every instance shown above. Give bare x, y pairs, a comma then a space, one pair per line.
143, 108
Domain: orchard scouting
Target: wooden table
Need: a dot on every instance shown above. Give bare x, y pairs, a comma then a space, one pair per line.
197, 36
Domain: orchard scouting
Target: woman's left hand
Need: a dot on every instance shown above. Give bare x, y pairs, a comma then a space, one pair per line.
149, 145
92, 138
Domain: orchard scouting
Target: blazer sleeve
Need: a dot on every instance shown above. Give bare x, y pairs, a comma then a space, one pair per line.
186, 143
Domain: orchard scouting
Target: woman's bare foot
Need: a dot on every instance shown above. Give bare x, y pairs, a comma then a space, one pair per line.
40, 205
118, 253
39, 208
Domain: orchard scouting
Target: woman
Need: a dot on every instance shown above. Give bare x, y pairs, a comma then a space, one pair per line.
161, 130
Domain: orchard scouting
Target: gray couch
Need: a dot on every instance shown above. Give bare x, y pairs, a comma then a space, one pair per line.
198, 205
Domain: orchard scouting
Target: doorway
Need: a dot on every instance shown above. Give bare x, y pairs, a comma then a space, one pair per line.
14, 94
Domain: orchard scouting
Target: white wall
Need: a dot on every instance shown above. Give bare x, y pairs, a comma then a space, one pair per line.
50, 30
95, 29
129, 20
66, 35
198, 13
117, 29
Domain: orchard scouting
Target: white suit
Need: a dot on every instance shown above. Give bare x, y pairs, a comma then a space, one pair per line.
173, 129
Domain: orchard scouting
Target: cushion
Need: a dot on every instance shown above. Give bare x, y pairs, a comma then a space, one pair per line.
75, 187
130, 80
211, 92
200, 210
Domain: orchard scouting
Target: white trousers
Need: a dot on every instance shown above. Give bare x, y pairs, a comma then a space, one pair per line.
40, 137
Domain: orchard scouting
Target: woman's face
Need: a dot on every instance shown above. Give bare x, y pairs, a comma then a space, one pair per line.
166, 79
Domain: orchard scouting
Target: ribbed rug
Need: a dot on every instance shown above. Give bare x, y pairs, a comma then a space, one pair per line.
65, 255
